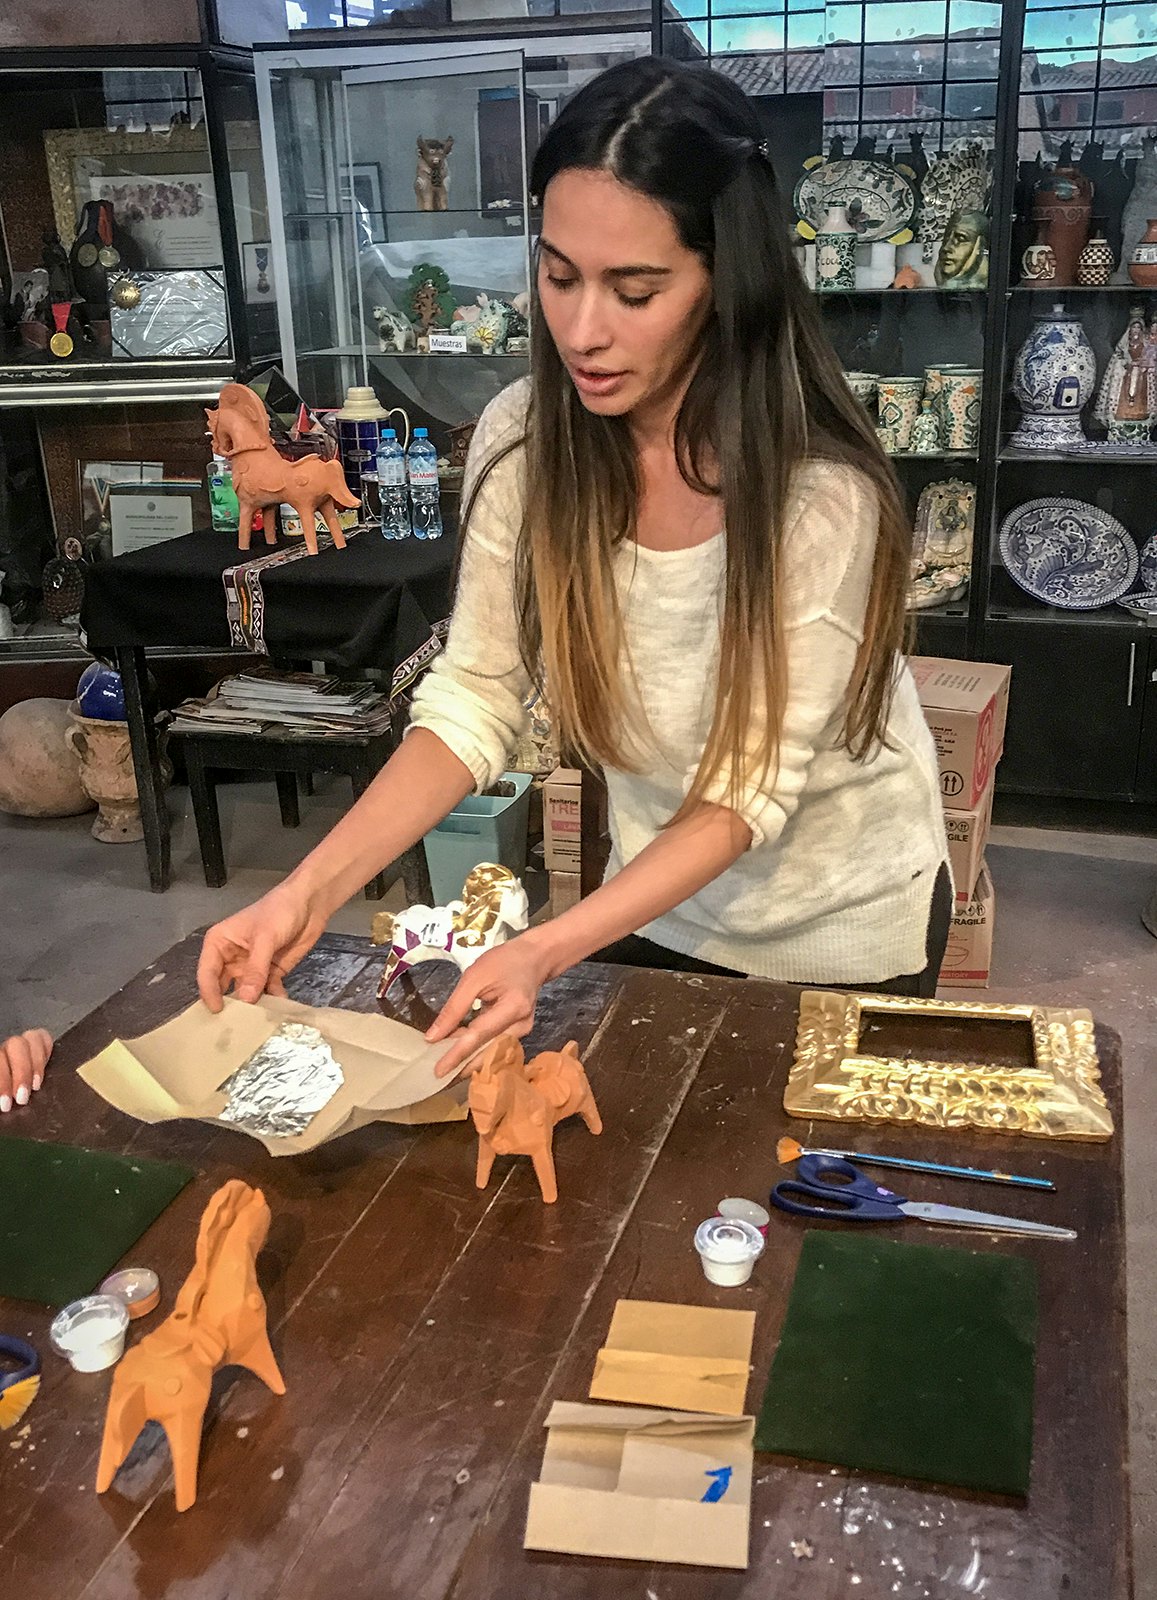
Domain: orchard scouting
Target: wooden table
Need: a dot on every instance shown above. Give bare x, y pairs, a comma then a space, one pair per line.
424, 1327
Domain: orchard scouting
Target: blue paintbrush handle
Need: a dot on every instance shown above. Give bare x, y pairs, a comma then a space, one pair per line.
908, 1165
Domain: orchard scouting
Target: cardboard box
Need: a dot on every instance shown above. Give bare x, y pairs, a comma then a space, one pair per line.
967, 838
561, 820
968, 957
564, 892
966, 707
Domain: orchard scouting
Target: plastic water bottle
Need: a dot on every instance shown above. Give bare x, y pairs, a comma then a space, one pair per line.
392, 487
422, 467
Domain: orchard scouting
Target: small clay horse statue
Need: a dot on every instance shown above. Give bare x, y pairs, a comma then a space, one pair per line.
240, 430
515, 1104
218, 1320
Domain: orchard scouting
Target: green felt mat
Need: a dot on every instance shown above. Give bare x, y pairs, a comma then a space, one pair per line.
906, 1359
67, 1216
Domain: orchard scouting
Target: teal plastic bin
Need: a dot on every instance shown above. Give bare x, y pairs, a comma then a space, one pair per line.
481, 828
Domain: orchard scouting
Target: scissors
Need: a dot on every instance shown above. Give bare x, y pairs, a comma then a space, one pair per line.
835, 1189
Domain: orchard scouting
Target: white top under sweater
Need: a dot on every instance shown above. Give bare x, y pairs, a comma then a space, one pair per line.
838, 883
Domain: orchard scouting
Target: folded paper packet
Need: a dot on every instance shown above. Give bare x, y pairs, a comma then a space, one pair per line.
692, 1358
643, 1485
177, 1070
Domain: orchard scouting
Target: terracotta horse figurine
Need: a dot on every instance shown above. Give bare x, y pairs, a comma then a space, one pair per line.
218, 1321
515, 1104
240, 429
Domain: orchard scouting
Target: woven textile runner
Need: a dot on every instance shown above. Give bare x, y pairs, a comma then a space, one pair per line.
245, 600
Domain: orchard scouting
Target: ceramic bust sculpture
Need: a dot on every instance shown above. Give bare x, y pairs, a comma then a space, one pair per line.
515, 1104
218, 1321
963, 259
239, 427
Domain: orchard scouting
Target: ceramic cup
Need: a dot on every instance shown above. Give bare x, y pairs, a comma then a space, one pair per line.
728, 1248
863, 386
960, 392
899, 400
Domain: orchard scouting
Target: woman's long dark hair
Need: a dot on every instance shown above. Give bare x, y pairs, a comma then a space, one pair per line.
767, 393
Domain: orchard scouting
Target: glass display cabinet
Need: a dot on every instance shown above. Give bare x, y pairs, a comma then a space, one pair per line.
399, 212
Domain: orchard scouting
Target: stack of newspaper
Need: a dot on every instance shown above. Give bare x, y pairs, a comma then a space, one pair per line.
267, 701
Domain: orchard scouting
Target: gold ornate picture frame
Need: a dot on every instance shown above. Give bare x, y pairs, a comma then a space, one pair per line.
74, 155
1056, 1094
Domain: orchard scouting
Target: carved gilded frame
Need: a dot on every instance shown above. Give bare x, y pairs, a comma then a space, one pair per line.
1058, 1097
66, 148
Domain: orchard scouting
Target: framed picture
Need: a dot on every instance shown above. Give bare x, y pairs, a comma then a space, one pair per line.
160, 185
258, 270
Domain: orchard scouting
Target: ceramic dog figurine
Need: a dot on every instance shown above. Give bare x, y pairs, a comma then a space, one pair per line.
432, 183
240, 430
515, 1104
395, 332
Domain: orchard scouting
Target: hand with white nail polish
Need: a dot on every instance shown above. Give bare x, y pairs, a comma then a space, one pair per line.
23, 1059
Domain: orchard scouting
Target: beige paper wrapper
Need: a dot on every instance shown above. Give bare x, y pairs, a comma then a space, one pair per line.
177, 1069
694, 1358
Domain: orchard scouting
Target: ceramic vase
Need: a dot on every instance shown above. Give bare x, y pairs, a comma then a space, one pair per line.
1143, 261
107, 776
1063, 204
899, 406
863, 386
1096, 262
835, 252
1038, 264
960, 395
925, 439
1053, 378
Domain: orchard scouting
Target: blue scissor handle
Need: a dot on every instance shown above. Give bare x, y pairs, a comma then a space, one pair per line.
837, 1190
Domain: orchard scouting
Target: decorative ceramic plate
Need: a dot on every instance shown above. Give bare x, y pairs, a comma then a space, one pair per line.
886, 197
1143, 606
1068, 553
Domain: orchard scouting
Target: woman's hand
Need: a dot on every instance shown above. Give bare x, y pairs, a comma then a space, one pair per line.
22, 1062
506, 980
254, 950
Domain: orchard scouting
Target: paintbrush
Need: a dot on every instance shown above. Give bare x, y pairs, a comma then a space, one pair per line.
788, 1150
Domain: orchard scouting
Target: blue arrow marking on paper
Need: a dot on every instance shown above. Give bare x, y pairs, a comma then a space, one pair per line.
718, 1488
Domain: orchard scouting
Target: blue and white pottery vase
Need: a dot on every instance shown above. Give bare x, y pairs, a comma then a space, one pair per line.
1053, 377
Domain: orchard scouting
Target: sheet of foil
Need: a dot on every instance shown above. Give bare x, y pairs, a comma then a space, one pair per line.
281, 1088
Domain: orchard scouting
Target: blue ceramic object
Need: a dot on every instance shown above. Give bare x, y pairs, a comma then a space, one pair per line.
1054, 377
1147, 572
100, 693
1068, 553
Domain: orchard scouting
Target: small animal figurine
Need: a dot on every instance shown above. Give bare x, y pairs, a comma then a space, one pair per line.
515, 1105
261, 477
432, 183
493, 907
395, 333
218, 1321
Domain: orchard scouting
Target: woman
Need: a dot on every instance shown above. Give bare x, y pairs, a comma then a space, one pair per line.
683, 524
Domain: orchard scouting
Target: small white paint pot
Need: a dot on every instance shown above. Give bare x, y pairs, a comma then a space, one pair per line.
727, 1248
738, 1210
91, 1332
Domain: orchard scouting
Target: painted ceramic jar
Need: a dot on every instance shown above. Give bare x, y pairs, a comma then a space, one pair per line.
925, 439
836, 252
961, 389
1063, 204
1038, 264
1053, 377
863, 386
1143, 261
1096, 262
899, 406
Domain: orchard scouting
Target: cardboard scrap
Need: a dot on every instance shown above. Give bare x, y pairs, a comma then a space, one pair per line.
690, 1358
177, 1070
644, 1485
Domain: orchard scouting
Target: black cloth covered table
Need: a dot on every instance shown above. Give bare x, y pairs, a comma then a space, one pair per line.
374, 604
377, 603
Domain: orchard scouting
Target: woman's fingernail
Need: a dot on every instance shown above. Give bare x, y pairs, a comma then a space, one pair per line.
37, 1081
22, 1095
5, 1103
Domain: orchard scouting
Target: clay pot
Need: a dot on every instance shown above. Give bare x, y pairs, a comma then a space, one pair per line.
1143, 263
106, 772
39, 774
1064, 205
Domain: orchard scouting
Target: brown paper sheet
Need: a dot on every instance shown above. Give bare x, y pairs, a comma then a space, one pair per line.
177, 1069
691, 1358
630, 1483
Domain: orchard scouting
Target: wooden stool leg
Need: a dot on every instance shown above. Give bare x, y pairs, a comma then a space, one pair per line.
361, 776
287, 799
203, 792
307, 783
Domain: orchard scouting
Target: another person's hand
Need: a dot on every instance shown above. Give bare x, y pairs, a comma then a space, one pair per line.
506, 980
254, 950
22, 1062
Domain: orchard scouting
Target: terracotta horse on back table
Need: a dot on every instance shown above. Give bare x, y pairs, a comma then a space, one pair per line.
240, 430
515, 1104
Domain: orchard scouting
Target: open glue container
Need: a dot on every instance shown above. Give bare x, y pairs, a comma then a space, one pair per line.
728, 1248
91, 1332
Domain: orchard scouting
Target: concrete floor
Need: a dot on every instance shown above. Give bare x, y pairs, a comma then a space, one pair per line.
79, 921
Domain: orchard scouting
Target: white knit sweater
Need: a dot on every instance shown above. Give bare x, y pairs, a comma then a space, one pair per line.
838, 883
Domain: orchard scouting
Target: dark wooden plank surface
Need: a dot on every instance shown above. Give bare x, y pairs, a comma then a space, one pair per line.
424, 1327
